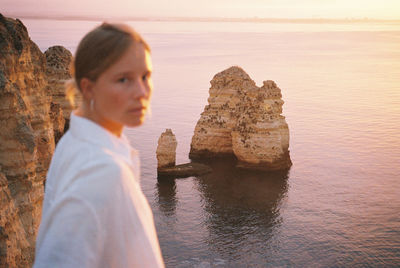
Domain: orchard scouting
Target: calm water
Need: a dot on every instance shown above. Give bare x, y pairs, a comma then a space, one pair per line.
338, 205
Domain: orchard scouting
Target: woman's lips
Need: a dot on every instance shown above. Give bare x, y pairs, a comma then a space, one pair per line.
137, 110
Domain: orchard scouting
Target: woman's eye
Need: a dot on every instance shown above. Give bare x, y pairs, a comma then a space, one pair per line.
123, 80
146, 77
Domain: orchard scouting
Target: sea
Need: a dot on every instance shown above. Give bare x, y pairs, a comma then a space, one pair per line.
338, 205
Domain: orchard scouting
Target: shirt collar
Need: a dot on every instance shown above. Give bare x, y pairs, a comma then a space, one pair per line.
91, 132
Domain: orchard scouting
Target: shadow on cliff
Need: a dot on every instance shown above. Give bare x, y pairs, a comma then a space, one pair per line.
241, 208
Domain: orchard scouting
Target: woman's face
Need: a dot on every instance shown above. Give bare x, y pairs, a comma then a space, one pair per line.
121, 94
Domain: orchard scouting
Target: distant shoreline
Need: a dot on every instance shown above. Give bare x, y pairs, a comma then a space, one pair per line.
210, 19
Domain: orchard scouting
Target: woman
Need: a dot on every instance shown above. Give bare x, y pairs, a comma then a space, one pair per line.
94, 212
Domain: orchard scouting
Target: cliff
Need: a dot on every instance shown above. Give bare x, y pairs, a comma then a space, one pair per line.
244, 121
58, 71
26, 141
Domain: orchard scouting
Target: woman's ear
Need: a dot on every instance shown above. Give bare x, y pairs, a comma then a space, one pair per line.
86, 85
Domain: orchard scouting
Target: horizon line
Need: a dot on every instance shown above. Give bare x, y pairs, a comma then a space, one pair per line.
200, 19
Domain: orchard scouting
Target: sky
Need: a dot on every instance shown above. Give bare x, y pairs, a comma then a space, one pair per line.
376, 9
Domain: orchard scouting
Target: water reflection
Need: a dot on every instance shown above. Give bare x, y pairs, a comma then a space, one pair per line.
240, 210
242, 207
167, 196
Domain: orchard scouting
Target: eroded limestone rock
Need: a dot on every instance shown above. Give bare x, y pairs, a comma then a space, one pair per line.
58, 120
184, 170
26, 142
166, 149
58, 63
243, 120
29, 121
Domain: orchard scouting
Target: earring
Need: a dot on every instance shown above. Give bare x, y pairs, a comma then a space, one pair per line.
91, 105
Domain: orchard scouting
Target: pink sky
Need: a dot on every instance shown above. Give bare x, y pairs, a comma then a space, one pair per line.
379, 9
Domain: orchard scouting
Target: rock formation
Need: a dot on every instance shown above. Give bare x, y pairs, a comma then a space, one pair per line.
184, 170
243, 120
166, 157
58, 63
60, 124
26, 141
166, 149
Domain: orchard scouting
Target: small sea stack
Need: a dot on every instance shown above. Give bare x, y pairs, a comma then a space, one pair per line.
166, 157
244, 121
166, 149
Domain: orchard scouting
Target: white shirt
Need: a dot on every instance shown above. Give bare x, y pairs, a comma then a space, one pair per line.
94, 212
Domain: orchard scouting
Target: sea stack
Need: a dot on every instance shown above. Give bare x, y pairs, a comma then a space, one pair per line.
166, 149
166, 157
244, 121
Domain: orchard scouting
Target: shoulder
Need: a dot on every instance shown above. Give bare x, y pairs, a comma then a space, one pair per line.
103, 182
105, 167
88, 171
74, 158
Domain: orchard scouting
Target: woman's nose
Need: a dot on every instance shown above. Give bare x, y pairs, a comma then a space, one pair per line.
141, 89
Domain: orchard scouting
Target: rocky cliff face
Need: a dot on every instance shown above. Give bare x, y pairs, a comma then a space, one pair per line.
58, 63
26, 141
166, 149
243, 120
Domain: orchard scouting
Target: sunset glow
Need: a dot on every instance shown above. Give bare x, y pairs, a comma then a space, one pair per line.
376, 9
273, 138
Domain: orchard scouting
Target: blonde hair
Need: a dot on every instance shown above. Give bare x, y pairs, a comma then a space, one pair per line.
98, 50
